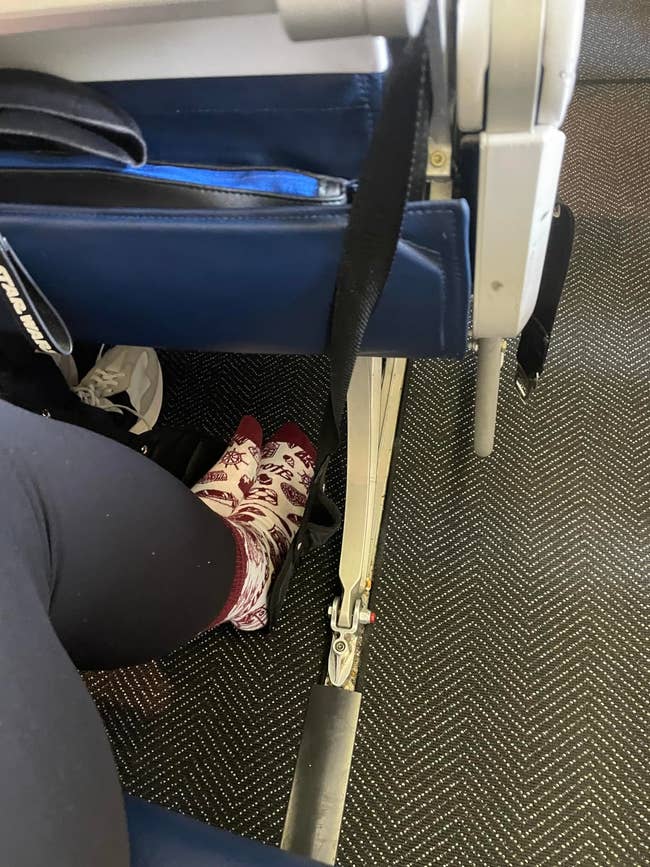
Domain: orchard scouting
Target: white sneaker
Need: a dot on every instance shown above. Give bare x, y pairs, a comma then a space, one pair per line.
134, 370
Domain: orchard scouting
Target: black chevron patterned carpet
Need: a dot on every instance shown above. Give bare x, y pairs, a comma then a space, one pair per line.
506, 704
213, 730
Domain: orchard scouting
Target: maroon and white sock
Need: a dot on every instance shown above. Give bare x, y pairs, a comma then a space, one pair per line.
231, 478
265, 522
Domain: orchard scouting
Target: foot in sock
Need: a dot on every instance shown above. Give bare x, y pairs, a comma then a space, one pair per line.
231, 478
264, 523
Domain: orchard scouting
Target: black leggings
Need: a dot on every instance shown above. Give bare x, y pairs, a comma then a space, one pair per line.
105, 560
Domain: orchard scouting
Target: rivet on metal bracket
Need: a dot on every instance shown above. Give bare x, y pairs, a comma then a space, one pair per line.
344, 641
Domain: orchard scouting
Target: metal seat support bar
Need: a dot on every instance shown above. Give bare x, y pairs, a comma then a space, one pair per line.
315, 813
374, 399
520, 157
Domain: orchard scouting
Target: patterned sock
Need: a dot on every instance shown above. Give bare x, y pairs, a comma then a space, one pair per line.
265, 522
230, 480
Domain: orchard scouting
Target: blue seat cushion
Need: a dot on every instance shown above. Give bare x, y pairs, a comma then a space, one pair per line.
161, 838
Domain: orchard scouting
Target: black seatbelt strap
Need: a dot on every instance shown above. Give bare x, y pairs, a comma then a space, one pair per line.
37, 108
388, 177
536, 336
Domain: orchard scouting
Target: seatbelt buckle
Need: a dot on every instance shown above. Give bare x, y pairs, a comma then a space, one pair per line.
525, 384
536, 335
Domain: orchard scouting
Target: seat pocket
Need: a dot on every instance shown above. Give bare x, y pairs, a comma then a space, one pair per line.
79, 181
254, 280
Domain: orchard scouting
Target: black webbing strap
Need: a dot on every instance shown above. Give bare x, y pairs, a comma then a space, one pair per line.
28, 321
369, 246
36, 110
536, 336
36, 107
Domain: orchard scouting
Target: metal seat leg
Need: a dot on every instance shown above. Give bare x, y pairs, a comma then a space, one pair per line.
373, 406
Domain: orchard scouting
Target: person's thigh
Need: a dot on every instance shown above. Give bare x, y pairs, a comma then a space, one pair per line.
60, 798
107, 559
138, 565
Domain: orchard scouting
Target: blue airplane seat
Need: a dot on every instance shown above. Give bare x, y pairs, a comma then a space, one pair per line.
162, 838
